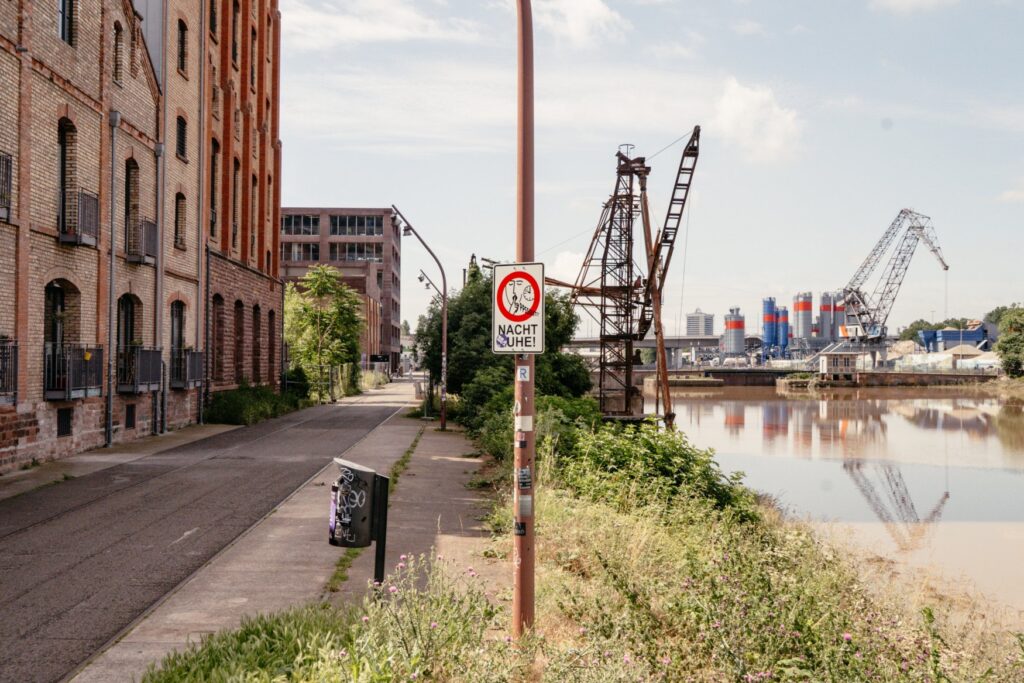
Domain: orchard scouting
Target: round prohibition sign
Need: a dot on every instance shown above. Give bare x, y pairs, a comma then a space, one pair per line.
533, 305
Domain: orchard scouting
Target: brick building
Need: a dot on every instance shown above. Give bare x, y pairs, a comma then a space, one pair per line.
366, 246
106, 120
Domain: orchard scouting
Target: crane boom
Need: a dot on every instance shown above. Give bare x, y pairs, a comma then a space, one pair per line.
866, 316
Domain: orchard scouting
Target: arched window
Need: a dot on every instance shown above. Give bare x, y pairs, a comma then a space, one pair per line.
252, 60
239, 341
67, 138
66, 21
127, 317
253, 225
177, 327
272, 373
179, 220
256, 350
214, 163
217, 337
181, 141
234, 31
182, 46
132, 235
235, 204
118, 53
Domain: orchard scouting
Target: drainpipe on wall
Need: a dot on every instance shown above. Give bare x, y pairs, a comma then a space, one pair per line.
202, 286
161, 397
114, 119
205, 389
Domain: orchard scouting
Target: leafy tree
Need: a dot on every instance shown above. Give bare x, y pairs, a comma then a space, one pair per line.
406, 330
996, 314
322, 322
1011, 341
477, 374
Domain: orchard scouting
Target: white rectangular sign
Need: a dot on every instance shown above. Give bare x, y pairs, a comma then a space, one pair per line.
517, 303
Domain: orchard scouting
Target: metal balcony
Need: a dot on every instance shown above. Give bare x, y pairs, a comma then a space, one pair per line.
138, 369
8, 371
72, 371
186, 368
142, 242
6, 184
78, 221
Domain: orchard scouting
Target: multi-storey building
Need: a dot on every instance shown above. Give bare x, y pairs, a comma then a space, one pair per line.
106, 120
699, 323
366, 246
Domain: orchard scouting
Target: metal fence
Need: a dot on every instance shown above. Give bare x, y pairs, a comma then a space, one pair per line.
79, 217
8, 370
72, 371
186, 368
141, 246
138, 369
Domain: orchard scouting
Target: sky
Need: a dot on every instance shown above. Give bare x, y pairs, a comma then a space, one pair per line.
819, 122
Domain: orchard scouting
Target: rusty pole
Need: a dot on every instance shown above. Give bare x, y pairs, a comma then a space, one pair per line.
525, 446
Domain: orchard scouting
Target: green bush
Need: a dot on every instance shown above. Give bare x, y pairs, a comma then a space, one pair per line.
248, 405
637, 466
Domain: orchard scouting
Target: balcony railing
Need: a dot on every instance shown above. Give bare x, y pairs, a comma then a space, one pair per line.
72, 371
6, 184
186, 368
8, 371
79, 217
142, 242
138, 369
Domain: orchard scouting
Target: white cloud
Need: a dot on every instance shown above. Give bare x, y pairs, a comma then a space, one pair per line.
749, 28
909, 6
565, 266
752, 119
582, 23
320, 25
685, 49
1014, 195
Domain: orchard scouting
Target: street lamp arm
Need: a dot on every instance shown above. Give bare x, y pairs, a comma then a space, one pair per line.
412, 230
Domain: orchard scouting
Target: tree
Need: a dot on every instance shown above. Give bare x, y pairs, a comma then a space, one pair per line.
322, 323
920, 325
469, 346
1011, 341
406, 331
996, 314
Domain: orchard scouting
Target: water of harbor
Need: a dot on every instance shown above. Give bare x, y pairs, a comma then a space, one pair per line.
926, 478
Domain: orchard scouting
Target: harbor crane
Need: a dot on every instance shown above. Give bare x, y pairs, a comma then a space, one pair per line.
866, 315
623, 295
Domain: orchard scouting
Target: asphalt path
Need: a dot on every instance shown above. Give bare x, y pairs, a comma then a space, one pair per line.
81, 559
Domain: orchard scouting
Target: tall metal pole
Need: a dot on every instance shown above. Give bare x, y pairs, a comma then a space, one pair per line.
409, 230
525, 445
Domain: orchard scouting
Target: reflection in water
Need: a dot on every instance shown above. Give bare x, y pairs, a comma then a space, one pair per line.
896, 511
926, 478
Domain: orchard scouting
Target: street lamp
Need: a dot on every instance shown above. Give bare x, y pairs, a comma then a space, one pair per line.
407, 230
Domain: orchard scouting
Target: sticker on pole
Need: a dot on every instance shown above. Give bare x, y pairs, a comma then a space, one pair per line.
518, 304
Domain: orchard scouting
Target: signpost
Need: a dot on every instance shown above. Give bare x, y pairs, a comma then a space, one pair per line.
518, 320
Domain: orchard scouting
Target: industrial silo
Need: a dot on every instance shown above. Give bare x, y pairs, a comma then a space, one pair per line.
782, 331
734, 340
839, 316
826, 326
802, 313
770, 323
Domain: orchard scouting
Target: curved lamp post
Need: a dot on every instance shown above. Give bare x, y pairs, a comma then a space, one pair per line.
407, 230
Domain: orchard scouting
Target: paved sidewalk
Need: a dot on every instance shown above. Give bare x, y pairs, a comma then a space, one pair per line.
286, 561
283, 560
16, 482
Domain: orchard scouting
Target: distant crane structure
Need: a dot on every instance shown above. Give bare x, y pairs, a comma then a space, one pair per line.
866, 315
622, 293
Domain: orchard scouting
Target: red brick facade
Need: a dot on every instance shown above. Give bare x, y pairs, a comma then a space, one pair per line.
83, 178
